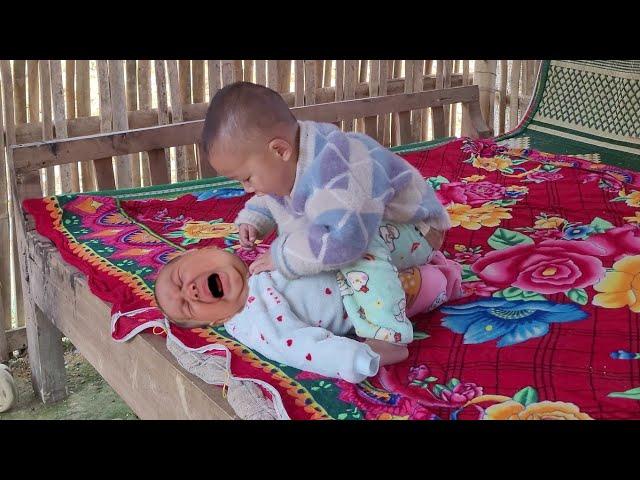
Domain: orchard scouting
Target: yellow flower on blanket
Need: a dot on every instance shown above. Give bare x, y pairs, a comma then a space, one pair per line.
474, 218
194, 230
491, 164
512, 410
634, 219
632, 199
549, 222
474, 178
620, 287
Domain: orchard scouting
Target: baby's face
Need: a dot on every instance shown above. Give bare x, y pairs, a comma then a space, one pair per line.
202, 287
261, 169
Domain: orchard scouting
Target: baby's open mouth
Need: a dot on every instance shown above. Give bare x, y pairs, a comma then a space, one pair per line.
215, 285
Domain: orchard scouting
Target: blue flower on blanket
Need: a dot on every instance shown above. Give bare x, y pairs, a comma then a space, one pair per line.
511, 322
219, 193
577, 232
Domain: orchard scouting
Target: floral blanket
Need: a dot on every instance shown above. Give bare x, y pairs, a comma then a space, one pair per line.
549, 327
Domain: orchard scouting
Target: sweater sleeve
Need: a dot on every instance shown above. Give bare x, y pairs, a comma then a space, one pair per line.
269, 326
256, 212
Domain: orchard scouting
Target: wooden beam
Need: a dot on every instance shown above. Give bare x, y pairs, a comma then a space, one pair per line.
39, 155
17, 339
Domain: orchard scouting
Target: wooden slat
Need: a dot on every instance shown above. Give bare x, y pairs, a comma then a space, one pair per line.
47, 122
273, 79
144, 103
176, 114
16, 222
371, 123
339, 89
120, 120
384, 122
20, 91
247, 65
284, 76
484, 76
447, 67
350, 80
466, 80
309, 82
105, 178
213, 70
437, 113
417, 115
403, 131
299, 89
237, 73
455, 66
159, 165
197, 73
83, 109
502, 96
184, 74
328, 72
396, 72
261, 72
17, 339
33, 91
227, 72
131, 81
514, 93
5, 239
68, 174
34, 156
70, 88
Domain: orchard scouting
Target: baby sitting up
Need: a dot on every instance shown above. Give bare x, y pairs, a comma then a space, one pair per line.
299, 322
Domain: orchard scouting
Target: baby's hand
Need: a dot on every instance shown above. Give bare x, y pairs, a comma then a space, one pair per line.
248, 235
264, 263
435, 238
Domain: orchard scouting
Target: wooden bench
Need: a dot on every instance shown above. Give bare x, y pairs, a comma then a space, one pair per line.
57, 298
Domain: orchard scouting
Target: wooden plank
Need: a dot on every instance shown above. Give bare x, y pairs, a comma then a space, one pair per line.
144, 103
502, 97
20, 91
437, 113
350, 80
417, 115
514, 93
197, 73
131, 81
328, 73
339, 88
190, 167
227, 72
284, 76
17, 339
309, 82
68, 174
447, 67
371, 123
237, 73
299, 88
384, 122
455, 66
273, 78
33, 90
176, 114
5, 239
261, 72
396, 72
466, 80
83, 109
403, 128
70, 88
105, 177
47, 122
213, 67
142, 371
248, 71
120, 121
38, 155
484, 76
159, 166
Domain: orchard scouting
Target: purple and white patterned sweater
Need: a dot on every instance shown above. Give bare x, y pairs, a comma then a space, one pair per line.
346, 184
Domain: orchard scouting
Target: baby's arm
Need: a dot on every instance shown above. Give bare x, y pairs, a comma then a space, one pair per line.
275, 331
256, 212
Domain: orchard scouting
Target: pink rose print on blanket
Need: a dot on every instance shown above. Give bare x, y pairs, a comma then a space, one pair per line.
553, 266
617, 243
474, 194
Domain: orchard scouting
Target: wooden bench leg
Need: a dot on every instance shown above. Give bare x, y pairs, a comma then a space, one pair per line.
46, 356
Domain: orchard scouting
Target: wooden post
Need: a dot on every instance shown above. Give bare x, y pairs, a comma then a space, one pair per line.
514, 93
227, 72
105, 177
484, 76
237, 73
447, 66
284, 76
176, 116
455, 64
70, 88
47, 122
403, 131
328, 72
309, 82
197, 72
159, 165
466, 80
339, 80
33, 90
83, 109
20, 91
437, 113
68, 174
213, 68
371, 123
131, 80
502, 97
144, 103
190, 165
273, 77
299, 88
396, 72
124, 173
384, 120
248, 71
417, 115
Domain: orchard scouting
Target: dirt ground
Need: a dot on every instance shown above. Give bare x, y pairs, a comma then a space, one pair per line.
90, 397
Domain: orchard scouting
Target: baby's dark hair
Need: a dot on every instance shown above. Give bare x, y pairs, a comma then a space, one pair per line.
241, 110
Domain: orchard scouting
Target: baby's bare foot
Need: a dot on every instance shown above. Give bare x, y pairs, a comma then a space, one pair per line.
390, 353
